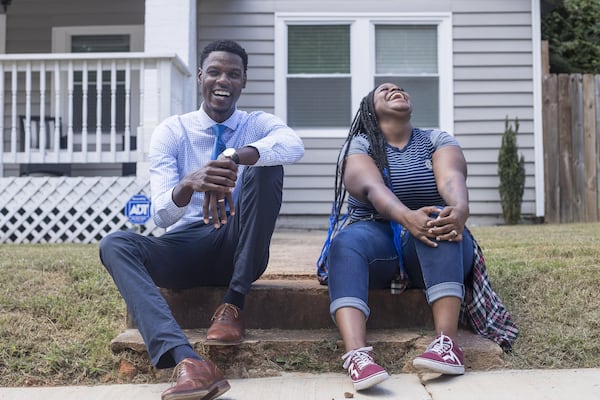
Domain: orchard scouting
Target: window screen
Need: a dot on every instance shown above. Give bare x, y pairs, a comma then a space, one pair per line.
318, 76
407, 56
99, 43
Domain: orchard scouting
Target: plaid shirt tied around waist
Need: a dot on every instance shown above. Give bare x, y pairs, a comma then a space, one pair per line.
483, 310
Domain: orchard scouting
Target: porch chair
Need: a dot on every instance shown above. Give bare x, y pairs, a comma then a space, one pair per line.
34, 124
42, 169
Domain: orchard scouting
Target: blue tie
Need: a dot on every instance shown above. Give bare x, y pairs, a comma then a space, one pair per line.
219, 144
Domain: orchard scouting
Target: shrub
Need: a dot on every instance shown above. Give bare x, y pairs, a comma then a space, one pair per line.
573, 33
511, 170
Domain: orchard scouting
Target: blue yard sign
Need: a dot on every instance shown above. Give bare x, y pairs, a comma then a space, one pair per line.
137, 209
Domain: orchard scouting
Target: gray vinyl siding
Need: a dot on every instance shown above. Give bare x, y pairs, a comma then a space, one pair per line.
29, 23
254, 30
492, 78
308, 185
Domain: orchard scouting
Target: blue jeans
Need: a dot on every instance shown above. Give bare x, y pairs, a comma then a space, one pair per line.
362, 257
235, 255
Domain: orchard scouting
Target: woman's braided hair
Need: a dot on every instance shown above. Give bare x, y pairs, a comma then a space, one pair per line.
364, 123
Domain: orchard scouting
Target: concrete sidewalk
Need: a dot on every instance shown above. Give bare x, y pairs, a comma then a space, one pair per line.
295, 252
493, 385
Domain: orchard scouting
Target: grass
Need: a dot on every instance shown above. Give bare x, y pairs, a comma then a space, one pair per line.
59, 308
548, 276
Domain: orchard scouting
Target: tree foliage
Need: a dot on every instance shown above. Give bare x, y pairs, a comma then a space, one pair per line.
572, 28
511, 170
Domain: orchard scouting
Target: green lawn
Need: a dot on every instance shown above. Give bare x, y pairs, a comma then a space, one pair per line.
548, 276
59, 308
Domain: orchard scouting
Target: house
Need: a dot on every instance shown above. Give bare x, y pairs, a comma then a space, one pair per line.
85, 82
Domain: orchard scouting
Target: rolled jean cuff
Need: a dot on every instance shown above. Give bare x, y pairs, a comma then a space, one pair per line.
445, 289
353, 302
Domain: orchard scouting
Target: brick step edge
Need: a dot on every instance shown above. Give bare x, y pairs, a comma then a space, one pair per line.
270, 352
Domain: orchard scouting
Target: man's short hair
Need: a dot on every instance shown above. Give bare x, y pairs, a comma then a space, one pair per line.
225, 45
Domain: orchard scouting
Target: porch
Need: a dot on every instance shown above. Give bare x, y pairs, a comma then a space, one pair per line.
75, 134
87, 109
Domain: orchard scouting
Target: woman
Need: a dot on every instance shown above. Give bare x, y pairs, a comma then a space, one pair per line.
407, 208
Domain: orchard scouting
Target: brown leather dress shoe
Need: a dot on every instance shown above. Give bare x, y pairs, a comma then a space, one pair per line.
227, 326
196, 380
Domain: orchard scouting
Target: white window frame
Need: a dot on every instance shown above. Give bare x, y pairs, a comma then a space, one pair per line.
362, 41
61, 35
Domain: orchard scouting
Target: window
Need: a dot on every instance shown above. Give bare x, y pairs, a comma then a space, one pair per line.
325, 65
318, 75
63, 37
100, 43
407, 56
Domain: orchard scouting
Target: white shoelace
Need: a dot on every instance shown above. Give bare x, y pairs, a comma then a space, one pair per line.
361, 356
443, 345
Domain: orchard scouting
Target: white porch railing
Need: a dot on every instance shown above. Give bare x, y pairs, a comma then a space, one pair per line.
85, 108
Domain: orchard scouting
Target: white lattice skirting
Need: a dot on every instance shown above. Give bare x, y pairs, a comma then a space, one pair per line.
73, 210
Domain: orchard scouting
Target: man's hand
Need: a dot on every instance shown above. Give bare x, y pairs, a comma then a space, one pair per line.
215, 176
216, 179
214, 207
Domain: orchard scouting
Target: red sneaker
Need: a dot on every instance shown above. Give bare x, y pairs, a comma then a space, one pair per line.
443, 356
362, 370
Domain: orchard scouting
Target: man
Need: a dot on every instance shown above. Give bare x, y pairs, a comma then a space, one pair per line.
216, 181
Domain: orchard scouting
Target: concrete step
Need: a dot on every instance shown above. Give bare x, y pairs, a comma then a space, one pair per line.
299, 302
268, 352
288, 328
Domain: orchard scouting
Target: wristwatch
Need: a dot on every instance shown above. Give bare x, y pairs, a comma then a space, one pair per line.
231, 154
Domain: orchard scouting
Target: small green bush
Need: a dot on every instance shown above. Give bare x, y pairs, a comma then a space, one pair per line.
511, 170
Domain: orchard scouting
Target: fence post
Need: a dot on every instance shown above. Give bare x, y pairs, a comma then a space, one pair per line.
590, 156
565, 149
578, 171
597, 103
551, 152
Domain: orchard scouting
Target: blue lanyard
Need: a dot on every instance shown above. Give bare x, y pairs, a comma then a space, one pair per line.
397, 230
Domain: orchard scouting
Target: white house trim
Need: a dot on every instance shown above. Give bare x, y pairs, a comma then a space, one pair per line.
538, 130
170, 26
362, 23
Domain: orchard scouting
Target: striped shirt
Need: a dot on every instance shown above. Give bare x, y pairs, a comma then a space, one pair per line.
411, 171
183, 143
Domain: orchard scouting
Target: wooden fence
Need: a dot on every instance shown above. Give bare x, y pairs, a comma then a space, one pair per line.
571, 147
